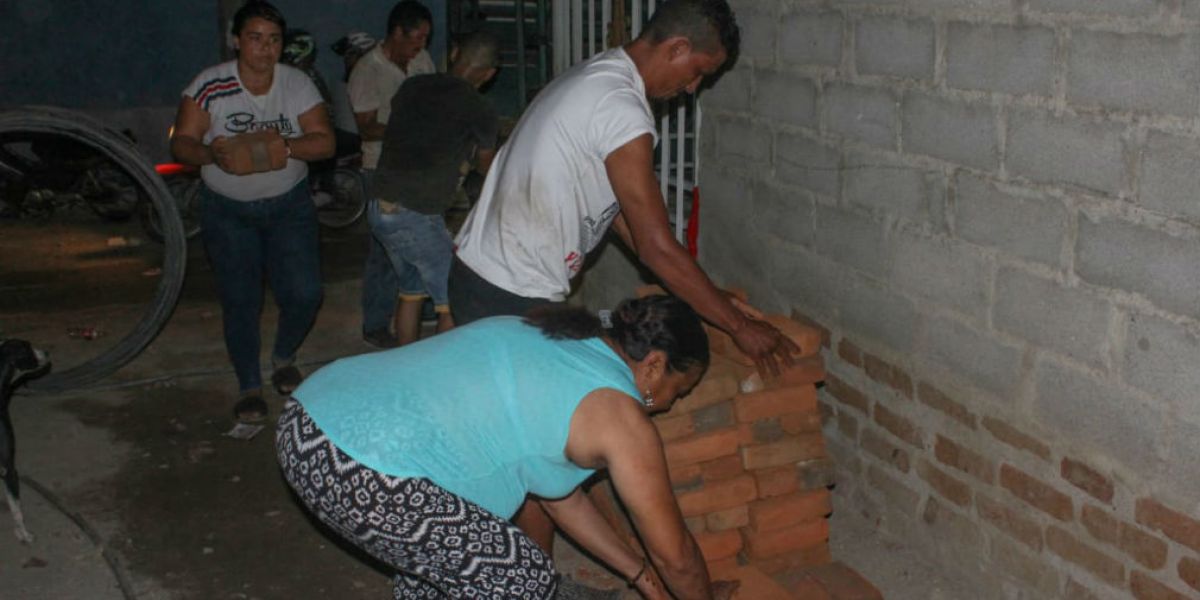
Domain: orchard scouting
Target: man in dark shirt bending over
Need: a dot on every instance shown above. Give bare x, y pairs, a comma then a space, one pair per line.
439, 123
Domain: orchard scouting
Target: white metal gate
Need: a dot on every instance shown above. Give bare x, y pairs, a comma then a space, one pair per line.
579, 30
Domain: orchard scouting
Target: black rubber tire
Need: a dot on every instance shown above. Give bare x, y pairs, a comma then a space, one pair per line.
186, 193
117, 147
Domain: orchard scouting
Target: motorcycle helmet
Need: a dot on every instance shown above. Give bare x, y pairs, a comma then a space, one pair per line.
355, 42
298, 47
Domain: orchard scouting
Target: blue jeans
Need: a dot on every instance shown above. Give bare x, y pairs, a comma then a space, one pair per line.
277, 236
380, 287
419, 247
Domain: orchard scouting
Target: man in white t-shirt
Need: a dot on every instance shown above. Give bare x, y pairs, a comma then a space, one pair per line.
581, 160
373, 82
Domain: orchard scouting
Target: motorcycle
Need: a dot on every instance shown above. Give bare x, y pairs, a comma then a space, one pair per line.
42, 174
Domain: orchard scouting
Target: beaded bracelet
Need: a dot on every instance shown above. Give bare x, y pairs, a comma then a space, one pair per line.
632, 582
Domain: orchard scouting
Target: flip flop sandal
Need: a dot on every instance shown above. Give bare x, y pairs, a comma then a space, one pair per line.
250, 409
286, 380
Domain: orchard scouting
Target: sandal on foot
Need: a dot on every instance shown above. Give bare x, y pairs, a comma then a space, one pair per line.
250, 409
286, 380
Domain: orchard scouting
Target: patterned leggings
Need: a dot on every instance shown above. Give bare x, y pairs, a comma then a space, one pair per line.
441, 545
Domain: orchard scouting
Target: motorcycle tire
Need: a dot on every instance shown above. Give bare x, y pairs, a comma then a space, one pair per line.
119, 149
348, 200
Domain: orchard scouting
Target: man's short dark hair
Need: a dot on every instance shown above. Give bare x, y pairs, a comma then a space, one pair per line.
708, 24
259, 9
408, 15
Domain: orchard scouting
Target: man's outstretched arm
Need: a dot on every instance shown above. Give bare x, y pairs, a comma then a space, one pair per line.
643, 225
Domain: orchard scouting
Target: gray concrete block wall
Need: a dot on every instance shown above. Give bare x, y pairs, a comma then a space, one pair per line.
1013, 219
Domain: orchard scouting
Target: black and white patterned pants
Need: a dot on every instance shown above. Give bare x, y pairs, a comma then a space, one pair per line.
441, 545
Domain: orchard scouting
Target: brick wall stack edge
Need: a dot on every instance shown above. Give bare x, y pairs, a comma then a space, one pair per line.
749, 468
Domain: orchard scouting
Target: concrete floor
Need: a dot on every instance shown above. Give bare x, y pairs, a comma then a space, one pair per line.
136, 492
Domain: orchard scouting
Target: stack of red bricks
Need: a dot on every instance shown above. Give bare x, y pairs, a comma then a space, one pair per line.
749, 468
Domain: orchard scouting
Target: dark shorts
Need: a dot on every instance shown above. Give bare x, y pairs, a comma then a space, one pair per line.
472, 297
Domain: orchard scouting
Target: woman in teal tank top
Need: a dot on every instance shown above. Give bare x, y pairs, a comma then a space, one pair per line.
420, 455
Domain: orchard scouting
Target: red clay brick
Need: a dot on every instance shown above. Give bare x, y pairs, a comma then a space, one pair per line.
1016, 438
790, 561
1096, 562
782, 511
806, 337
712, 389
875, 444
939, 401
1038, 494
1009, 521
702, 447
1173, 524
725, 467
791, 450
1145, 587
955, 455
779, 540
730, 518
843, 583
847, 394
715, 545
724, 569
798, 423
674, 426
777, 481
1189, 572
1148, 550
899, 426
684, 475
756, 585
715, 417
950, 488
850, 353
888, 374
718, 496
808, 589
808, 321
773, 403
1088, 480
696, 524
806, 371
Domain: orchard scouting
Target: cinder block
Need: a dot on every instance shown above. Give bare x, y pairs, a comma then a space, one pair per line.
959, 132
1077, 151
784, 214
853, 240
974, 357
1032, 228
870, 312
785, 98
812, 165
1070, 321
811, 38
888, 187
894, 46
741, 143
999, 58
864, 113
1122, 255
1183, 439
759, 47
732, 91
943, 272
1128, 8
1138, 72
797, 273
1170, 175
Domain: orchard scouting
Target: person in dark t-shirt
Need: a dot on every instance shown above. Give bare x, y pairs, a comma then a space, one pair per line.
440, 127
